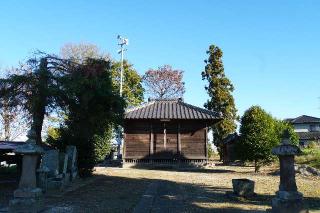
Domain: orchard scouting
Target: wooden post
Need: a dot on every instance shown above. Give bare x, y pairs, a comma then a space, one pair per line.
206, 142
151, 140
164, 136
124, 147
179, 140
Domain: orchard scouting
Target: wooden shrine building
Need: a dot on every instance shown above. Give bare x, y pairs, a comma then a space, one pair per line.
166, 130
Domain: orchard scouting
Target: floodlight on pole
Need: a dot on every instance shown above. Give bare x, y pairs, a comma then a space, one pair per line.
122, 43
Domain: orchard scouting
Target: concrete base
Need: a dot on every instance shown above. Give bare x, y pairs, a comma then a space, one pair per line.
288, 202
27, 200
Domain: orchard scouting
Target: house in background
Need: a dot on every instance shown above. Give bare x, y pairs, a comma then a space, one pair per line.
166, 130
307, 128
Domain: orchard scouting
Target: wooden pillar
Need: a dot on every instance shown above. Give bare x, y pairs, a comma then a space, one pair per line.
206, 142
179, 140
164, 136
151, 140
124, 146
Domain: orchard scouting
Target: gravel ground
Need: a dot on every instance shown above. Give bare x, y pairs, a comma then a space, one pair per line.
195, 190
204, 190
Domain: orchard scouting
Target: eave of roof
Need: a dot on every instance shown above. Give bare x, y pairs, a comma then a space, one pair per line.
303, 119
170, 109
309, 135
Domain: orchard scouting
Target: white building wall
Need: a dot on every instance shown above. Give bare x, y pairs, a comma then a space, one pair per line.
307, 127
301, 127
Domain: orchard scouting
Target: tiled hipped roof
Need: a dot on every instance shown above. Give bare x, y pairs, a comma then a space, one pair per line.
303, 119
309, 135
170, 109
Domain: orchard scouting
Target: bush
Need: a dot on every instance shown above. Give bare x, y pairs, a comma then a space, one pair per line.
309, 156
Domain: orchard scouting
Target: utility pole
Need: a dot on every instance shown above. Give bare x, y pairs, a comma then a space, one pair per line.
122, 43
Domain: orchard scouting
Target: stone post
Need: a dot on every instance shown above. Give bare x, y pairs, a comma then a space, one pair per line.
28, 198
288, 199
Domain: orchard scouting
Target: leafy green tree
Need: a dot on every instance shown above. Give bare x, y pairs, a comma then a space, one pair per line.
132, 87
219, 89
258, 135
282, 126
93, 107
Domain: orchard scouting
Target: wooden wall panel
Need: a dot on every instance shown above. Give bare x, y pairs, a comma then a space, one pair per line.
138, 136
137, 145
193, 144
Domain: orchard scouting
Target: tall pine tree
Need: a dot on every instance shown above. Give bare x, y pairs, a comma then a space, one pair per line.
219, 89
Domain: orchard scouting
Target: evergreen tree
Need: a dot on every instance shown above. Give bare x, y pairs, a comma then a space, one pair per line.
219, 89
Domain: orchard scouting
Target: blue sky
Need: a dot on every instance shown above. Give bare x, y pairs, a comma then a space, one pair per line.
271, 48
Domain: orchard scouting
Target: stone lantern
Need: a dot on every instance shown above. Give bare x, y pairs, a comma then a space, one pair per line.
288, 199
28, 198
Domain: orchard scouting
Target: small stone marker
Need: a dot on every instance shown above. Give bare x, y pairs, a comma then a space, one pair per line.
243, 187
63, 163
42, 178
50, 160
72, 161
287, 199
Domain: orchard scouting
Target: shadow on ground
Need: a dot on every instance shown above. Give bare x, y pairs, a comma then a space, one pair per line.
180, 168
8, 183
119, 194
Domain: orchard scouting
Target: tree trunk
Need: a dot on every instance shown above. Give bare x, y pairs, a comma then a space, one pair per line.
37, 125
40, 101
256, 166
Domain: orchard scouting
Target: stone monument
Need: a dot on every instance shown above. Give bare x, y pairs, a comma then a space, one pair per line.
288, 199
72, 162
28, 198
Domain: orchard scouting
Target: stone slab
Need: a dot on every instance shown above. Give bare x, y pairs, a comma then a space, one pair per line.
243, 187
50, 159
63, 163
71, 151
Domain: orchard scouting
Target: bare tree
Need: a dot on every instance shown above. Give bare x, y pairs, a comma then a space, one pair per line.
13, 119
164, 82
79, 52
